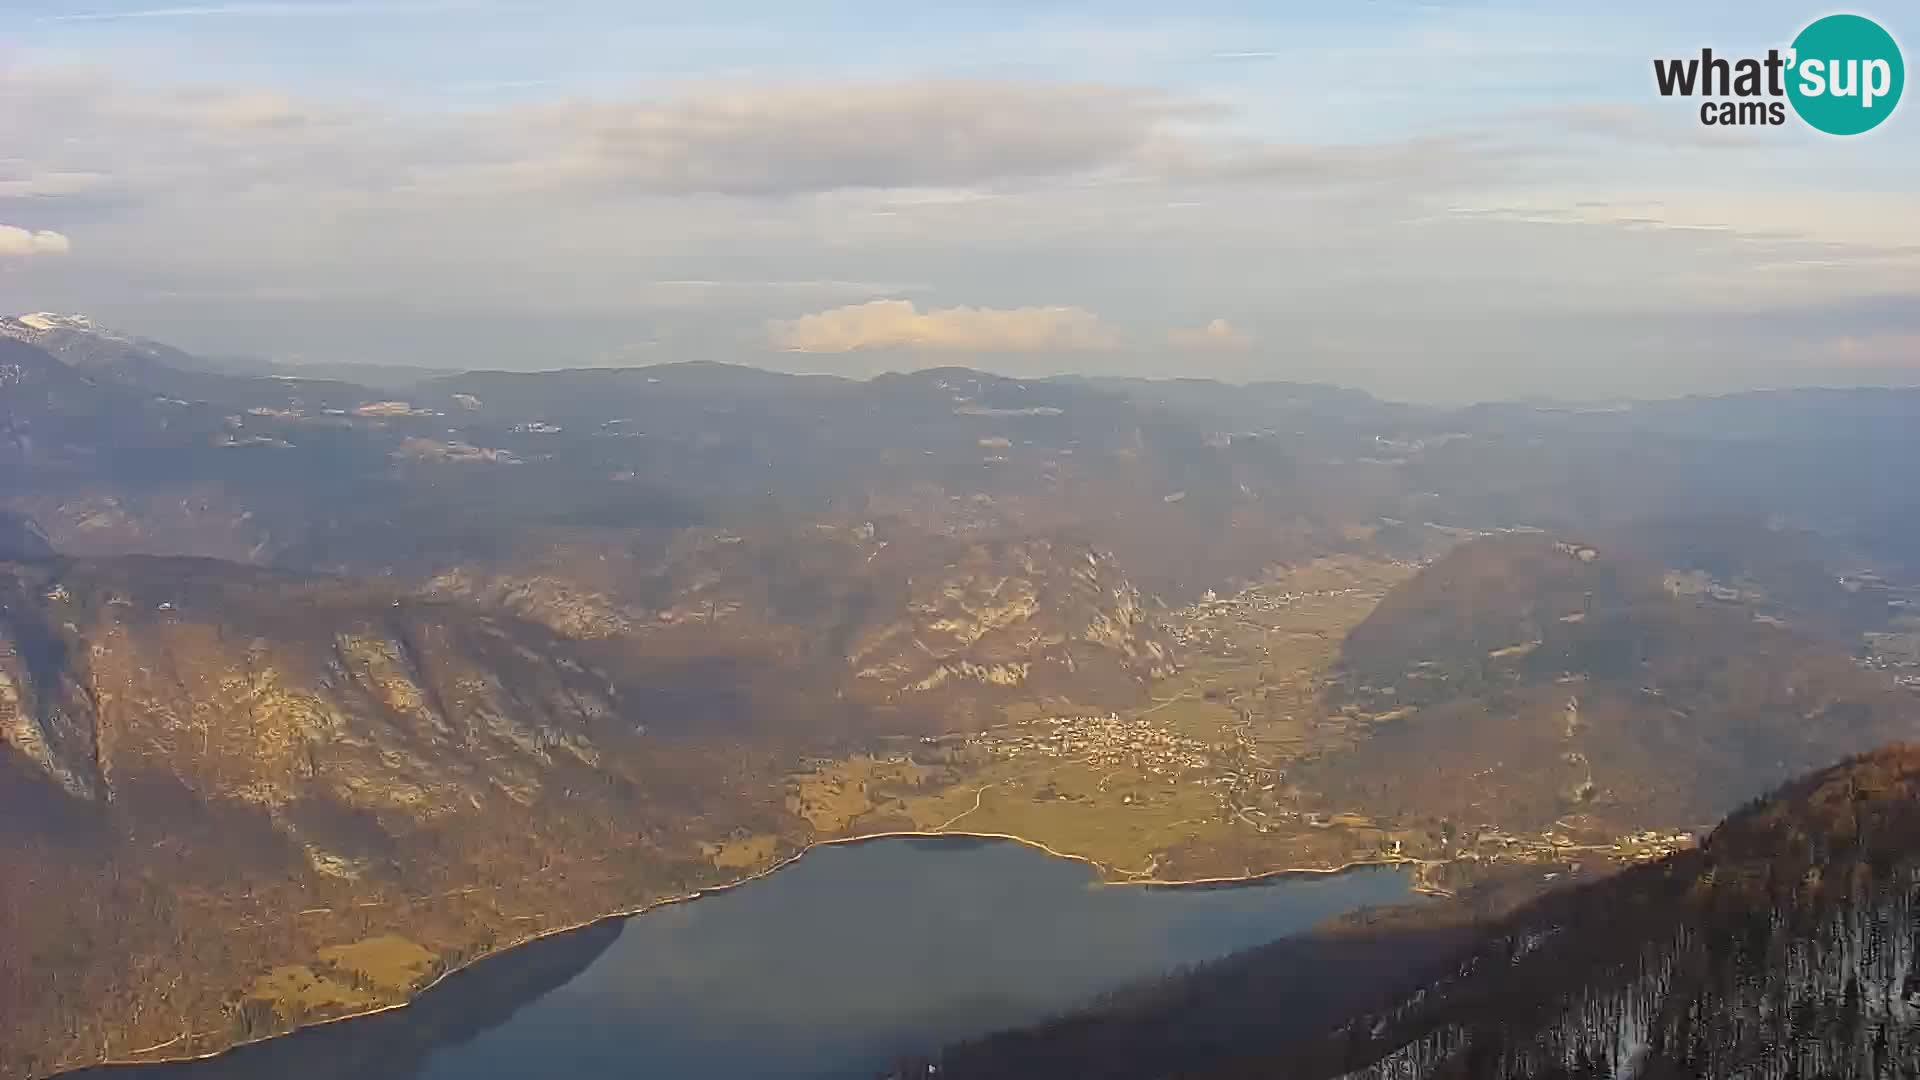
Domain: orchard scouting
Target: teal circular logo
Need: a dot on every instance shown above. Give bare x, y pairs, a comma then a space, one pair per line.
1846, 75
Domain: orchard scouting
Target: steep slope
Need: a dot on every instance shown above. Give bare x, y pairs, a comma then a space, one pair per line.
46, 407
894, 618
317, 793
63, 429
21, 539
314, 796
1784, 946
159, 374
1578, 687
81, 343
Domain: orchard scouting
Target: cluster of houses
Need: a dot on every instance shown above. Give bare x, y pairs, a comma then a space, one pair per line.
1102, 740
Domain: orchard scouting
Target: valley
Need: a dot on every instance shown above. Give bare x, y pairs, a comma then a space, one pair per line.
1193, 783
320, 716
1024, 541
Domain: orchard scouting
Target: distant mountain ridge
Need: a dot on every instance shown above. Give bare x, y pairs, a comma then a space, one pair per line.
82, 343
519, 648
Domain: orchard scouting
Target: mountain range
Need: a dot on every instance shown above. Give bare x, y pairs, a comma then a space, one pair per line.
319, 689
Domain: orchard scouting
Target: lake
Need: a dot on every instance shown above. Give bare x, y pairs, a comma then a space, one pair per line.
832, 967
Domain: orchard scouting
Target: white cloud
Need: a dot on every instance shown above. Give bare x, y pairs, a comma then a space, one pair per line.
898, 324
1735, 248
927, 141
1422, 163
18, 242
781, 139
1642, 124
1217, 334
802, 285
691, 214
48, 185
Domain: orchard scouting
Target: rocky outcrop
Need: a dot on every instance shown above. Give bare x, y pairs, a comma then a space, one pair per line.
563, 606
234, 772
1010, 614
893, 616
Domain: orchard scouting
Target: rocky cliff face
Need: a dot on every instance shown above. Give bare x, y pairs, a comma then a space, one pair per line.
459, 699
1034, 613
216, 666
265, 778
894, 618
281, 784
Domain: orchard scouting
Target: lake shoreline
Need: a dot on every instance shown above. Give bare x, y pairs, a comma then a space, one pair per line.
1105, 877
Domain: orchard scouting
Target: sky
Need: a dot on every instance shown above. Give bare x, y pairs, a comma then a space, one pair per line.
1430, 201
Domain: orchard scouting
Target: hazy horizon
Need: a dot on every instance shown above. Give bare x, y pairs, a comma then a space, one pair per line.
1430, 202
1327, 577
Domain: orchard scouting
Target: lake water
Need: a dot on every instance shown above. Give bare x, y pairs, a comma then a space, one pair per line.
832, 967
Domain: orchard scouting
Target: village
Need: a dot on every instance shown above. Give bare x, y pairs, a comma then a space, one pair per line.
1208, 619
1103, 741
1245, 789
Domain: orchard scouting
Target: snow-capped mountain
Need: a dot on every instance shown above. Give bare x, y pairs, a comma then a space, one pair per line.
82, 343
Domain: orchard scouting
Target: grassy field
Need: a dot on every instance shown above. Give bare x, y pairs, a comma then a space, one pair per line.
297, 990
835, 794
1192, 777
743, 853
1117, 818
347, 977
387, 962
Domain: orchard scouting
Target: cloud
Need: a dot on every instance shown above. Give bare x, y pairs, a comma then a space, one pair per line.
48, 185
250, 11
1881, 350
1217, 334
1417, 163
514, 234
19, 242
725, 293
774, 139
820, 285
926, 142
1727, 247
78, 132
898, 324
1631, 123
750, 139
206, 11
